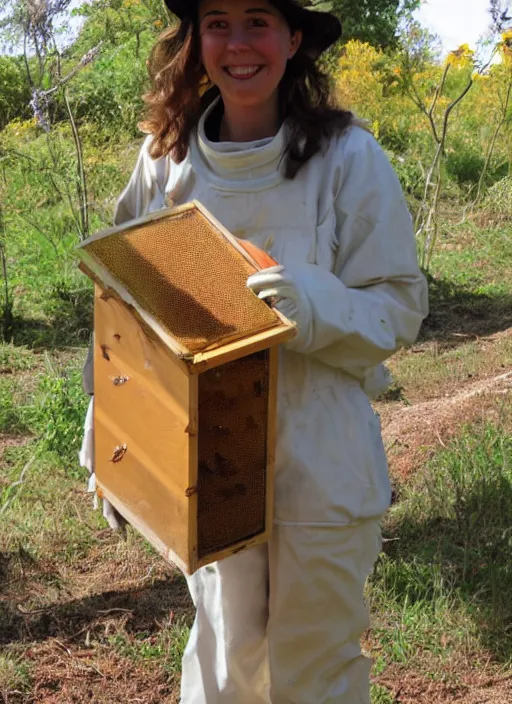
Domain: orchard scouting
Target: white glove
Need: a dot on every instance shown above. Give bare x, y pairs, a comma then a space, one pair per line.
290, 299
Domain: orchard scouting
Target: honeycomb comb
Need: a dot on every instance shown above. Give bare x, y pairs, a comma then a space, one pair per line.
187, 272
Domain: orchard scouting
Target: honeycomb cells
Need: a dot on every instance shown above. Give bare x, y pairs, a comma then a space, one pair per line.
184, 272
232, 446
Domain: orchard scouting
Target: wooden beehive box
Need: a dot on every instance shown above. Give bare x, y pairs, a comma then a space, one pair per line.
185, 373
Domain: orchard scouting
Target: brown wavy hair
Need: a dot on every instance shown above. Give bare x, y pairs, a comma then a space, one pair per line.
181, 91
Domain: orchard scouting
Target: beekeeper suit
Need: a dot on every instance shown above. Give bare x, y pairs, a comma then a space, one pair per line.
348, 275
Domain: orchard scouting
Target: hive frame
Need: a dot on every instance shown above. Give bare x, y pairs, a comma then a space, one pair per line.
215, 354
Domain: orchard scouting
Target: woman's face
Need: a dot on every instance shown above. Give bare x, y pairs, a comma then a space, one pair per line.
245, 46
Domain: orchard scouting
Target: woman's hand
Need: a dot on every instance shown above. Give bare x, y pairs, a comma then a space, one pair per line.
289, 296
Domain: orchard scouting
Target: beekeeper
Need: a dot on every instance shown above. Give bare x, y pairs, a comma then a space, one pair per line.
240, 118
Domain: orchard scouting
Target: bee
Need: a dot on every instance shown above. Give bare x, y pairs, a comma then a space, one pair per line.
119, 453
119, 380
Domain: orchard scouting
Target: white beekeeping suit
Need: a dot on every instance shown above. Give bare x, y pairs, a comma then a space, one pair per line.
349, 277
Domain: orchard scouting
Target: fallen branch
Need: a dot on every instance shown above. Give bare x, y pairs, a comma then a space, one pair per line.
34, 612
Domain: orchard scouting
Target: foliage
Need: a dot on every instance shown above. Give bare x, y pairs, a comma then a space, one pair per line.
110, 91
14, 90
34, 25
499, 198
373, 21
58, 414
116, 22
464, 163
368, 84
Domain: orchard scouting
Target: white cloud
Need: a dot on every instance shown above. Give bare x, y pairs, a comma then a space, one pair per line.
456, 21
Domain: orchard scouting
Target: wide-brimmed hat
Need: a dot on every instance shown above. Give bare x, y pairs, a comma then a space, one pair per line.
319, 26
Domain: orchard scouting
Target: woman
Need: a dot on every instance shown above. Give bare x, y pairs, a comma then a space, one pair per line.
239, 119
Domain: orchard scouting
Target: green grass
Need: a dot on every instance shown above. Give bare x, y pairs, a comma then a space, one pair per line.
439, 593
475, 258
15, 675
441, 589
380, 695
166, 646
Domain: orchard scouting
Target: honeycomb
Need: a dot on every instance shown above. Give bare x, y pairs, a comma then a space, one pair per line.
186, 274
232, 452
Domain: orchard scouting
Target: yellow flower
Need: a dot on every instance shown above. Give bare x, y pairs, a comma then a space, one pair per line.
158, 23
461, 57
505, 46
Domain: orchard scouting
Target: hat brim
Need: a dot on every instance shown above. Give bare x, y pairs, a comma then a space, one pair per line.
320, 29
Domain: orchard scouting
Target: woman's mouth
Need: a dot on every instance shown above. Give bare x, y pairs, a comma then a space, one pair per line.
242, 72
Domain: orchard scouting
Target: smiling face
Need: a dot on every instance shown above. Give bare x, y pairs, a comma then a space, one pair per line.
245, 46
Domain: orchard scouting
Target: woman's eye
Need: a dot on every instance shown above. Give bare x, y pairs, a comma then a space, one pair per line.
258, 22
217, 24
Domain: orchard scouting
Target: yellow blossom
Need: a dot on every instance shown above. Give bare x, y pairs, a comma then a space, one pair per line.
505, 46
461, 57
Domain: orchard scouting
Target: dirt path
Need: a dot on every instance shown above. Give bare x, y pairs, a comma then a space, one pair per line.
412, 433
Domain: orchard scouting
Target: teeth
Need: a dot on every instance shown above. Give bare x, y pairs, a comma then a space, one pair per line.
242, 70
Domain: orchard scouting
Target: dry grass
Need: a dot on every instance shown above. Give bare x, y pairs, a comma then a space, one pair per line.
432, 370
407, 686
413, 433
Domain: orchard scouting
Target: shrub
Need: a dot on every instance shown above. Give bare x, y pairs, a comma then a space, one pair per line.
59, 412
464, 165
499, 197
409, 171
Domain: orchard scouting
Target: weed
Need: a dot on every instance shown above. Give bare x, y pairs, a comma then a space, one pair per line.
499, 197
15, 674
380, 695
58, 414
13, 412
168, 644
15, 359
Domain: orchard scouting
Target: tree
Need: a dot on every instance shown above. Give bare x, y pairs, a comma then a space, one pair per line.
500, 13
33, 24
115, 22
373, 21
36, 24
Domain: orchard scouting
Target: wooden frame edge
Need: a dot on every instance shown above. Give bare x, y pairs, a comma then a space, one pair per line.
228, 353
193, 458
166, 552
271, 437
234, 549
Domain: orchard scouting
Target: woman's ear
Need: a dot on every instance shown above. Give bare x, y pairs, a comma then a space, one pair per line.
295, 42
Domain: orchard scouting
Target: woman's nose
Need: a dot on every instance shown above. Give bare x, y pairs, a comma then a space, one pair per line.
238, 39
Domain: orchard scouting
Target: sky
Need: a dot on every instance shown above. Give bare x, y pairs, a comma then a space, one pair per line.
455, 21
